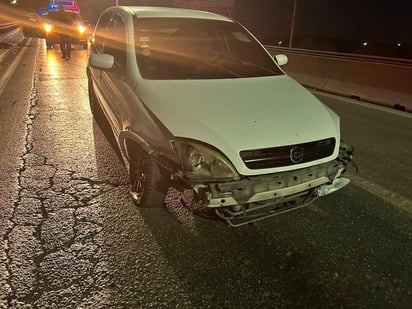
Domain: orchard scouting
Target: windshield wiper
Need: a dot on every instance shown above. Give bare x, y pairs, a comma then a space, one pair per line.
220, 67
247, 63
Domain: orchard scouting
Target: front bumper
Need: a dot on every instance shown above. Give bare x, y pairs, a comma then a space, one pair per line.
256, 198
272, 186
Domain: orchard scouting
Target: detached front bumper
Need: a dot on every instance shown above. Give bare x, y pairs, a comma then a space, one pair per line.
273, 186
255, 198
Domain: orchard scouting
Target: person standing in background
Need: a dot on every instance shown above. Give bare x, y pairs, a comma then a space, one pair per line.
64, 37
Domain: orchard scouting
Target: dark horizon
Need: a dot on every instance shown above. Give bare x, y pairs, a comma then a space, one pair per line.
319, 24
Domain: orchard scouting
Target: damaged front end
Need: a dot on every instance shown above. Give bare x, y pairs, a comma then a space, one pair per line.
255, 198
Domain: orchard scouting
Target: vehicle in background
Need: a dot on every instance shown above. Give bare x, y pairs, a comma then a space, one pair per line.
77, 28
33, 25
42, 11
194, 99
68, 5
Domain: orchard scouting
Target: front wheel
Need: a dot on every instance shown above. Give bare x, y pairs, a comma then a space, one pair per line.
149, 182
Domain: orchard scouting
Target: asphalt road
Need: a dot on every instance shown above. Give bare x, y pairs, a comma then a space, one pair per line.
71, 236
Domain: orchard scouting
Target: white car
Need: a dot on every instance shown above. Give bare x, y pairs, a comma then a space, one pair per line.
193, 98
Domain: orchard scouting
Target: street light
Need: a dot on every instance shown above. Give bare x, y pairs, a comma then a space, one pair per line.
292, 26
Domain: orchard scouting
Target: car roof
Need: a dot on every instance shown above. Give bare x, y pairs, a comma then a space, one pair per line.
153, 11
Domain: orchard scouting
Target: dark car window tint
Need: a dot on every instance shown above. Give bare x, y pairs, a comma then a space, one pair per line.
186, 48
115, 44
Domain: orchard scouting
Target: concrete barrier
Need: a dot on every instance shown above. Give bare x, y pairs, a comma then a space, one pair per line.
387, 84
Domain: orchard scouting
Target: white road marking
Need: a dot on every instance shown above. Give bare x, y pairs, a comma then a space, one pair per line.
7, 75
388, 196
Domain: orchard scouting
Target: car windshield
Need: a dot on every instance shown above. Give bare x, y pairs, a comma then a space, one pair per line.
189, 48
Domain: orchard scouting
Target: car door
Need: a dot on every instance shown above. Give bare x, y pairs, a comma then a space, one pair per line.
112, 85
98, 41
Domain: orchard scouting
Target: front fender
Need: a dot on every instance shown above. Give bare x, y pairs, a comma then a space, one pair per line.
126, 135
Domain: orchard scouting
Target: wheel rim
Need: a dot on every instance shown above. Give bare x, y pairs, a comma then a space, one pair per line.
138, 185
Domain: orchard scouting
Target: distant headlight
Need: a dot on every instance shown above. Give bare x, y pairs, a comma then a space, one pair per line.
81, 28
202, 161
48, 27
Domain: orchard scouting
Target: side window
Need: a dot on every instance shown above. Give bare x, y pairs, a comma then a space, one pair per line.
116, 43
100, 36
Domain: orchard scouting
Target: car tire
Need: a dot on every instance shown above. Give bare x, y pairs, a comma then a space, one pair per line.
149, 182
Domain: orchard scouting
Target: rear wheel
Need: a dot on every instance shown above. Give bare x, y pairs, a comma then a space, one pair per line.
149, 182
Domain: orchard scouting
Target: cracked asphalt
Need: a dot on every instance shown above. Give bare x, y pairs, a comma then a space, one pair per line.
53, 227
71, 236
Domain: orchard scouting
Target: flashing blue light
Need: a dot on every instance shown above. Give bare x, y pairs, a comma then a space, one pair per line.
73, 8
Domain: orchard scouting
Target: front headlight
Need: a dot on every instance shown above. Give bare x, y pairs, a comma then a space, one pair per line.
48, 27
81, 29
202, 161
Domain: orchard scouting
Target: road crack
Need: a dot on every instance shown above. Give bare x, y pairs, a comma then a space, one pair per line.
28, 146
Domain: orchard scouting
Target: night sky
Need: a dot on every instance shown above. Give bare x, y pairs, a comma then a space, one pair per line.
376, 20
362, 20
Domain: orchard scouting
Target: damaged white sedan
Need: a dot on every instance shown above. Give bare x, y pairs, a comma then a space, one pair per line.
193, 98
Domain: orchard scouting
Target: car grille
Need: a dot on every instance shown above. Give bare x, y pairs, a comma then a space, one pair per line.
288, 155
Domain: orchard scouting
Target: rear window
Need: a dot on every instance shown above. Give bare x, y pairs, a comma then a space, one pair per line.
67, 17
188, 48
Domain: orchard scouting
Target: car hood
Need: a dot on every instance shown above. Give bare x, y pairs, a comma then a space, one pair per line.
241, 114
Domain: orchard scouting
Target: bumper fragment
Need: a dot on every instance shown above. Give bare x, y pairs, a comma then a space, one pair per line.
254, 199
336, 185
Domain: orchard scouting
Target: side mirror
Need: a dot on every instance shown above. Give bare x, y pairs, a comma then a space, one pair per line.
281, 59
101, 61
